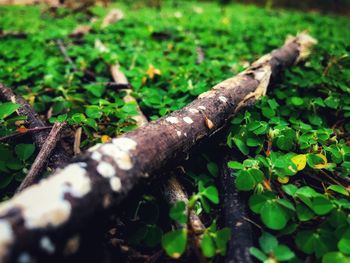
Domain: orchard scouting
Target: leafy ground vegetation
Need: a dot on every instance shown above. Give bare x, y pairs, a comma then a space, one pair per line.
292, 150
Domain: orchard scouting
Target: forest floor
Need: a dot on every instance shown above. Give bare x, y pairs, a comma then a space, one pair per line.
292, 151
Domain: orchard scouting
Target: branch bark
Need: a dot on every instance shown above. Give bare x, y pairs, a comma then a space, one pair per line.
234, 206
42, 158
103, 176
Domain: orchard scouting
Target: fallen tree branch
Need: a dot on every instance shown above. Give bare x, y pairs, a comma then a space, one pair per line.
103, 176
121, 80
235, 210
64, 53
41, 159
59, 156
4, 138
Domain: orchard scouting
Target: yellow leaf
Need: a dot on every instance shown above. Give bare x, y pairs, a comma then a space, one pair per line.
105, 138
321, 165
152, 71
225, 21
283, 180
299, 161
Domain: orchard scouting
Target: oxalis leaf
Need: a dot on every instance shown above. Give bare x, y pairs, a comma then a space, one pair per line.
211, 193
7, 108
207, 245
273, 215
24, 151
174, 242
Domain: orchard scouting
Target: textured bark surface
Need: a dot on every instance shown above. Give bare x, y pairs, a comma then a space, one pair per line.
235, 212
47, 219
40, 161
59, 157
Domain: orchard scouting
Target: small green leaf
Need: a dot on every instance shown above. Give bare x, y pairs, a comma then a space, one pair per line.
178, 212
344, 242
338, 189
222, 237
257, 201
290, 189
174, 242
213, 169
7, 108
273, 215
245, 181
235, 165
332, 257
207, 245
211, 193
258, 254
321, 205
297, 101
283, 253
241, 146
268, 242
24, 151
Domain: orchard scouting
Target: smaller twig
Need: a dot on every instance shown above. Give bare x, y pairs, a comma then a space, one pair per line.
43, 156
333, 61
18, 35
120, 79
200, 55
330, 178
64, 52
252, 222
77, 140
4, 138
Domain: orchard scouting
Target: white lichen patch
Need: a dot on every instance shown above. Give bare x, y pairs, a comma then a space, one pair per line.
178, 133
115, 183
172, 120
47, 245
82, 164
223, 99
105, 169
6, 237
96, 156
119, 150
187, 120
43, 204
95, 147
194, 111
207, 94
201, 107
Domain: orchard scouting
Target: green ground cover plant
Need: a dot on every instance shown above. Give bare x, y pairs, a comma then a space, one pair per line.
292, 148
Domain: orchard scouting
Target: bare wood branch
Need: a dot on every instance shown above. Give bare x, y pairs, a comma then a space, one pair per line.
77, 140
74, 196
41, 159
4, 138
64, 52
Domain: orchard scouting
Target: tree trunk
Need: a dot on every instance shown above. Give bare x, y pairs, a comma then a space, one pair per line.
46, 220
